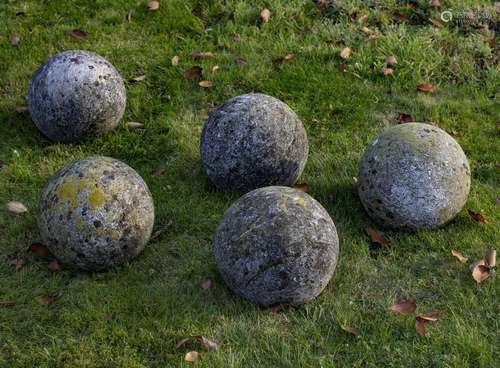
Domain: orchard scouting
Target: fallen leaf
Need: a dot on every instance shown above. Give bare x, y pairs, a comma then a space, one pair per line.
181, 342
404, 308
420, 326
434, 3
7, 304
206, 343
365, 30
206, 84
175, 60
265, 15
128, 16
341, 67
459, 256
350, 330
153, 5
480, 273
479, 262
39, 250
391, 60
430, 317
355, 180
372, 37
399, 17
404, 118
477, 216
387, 71
206, 284
21, 109
214, 69
54, 266
491, 258
19, 263
303, 187
363, 18
192, 356
193, 72
16, 208
240, 62
201, 55
134, 125
425, 87
437, 23
14, 40
78, 34
139, 78
377, 236
49, 298
345, 53
288, 57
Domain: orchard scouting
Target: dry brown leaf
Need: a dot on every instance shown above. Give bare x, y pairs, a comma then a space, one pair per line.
153, 5
18, 263
480, 273
139, 78
201, 55
175, 60
363, 18
491, 258
459, 256
404, 308
477, 216
287, 58
14, 40
387, 71
15, 208
193, 72
134, 125
404, 118
7, 304
54, 266
437, 23
21, 109
429, 317
434, 3
372, 37
400, 17
192, 356
39, 250
206, 284
420, 326
365, 30
301, 186
426, 87
128, 16
49, 298
377, 236
78, 34
350, 330
214, 69
345, 53
207, 343
240, 62
391, 60
206, 84
181, 342
265, 15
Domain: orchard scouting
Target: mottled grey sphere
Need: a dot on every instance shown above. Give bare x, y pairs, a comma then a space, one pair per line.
413, 176
276, 245
253, 141
95, 213
76, 95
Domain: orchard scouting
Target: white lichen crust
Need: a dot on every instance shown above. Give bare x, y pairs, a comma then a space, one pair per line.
413, 176
253, 141
276, 245
76, 95
95, 213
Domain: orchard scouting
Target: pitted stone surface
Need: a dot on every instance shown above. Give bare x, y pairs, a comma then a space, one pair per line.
253, 141
276, 245
76, 95
95, 213
413, 176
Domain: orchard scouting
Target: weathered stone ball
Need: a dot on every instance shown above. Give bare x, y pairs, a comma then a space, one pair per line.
276, 245
253, 141
76, 95
413, 176
95, 213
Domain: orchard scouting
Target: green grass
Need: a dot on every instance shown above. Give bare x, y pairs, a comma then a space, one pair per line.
133, 316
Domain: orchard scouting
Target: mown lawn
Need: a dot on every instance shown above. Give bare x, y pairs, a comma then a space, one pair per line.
134, 315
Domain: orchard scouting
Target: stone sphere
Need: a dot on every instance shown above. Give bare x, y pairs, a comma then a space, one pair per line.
413, 176
95, 213
76, 95
276, 245
253, 141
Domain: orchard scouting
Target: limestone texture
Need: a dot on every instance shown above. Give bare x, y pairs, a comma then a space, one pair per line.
413, 176
276, 245
252, 141
95, 213
76, 95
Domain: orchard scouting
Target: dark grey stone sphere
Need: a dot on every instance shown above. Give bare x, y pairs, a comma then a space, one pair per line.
413, 176
276, 245
95, 213
76, 95
253, 141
